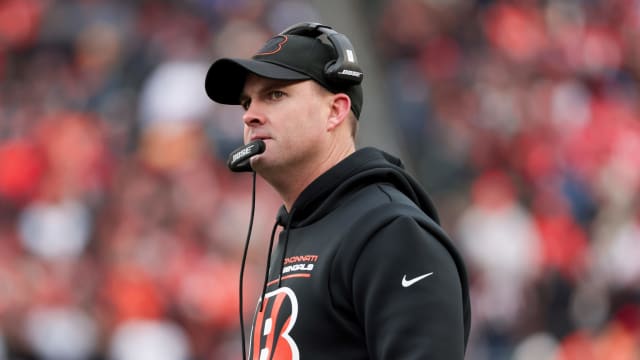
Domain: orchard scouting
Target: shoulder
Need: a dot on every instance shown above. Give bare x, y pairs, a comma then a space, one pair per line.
391, 222
377, 205
380, 215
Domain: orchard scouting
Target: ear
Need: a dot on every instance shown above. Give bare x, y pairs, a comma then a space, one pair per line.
340, 107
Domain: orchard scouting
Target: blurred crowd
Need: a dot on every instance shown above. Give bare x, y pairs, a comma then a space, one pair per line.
523, 118
121, 231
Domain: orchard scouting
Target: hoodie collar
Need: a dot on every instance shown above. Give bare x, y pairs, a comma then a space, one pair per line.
364, 167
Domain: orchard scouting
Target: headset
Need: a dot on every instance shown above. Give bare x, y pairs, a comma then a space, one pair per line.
343, 71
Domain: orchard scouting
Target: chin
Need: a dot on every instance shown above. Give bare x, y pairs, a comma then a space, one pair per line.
258, 162
265, 166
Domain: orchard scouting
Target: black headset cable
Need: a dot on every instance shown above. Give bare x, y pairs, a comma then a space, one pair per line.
244, 261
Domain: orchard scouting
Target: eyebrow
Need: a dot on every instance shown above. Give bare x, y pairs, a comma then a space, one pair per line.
270, 85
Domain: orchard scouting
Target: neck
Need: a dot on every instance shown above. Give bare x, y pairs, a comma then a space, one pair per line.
290, 184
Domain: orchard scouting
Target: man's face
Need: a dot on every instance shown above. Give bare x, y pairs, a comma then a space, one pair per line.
290, 117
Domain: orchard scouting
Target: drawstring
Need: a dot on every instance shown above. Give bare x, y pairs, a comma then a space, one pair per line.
286, 242
244, 261
285, 220
266, 270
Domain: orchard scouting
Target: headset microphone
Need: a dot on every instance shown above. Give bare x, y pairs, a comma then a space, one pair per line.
239, 158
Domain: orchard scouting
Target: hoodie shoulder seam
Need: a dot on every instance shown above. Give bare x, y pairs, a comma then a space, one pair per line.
385, 192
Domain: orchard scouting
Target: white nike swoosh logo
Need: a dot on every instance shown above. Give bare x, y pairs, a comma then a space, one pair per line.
407, 283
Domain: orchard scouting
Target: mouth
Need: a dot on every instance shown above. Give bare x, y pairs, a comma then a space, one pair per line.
256, 137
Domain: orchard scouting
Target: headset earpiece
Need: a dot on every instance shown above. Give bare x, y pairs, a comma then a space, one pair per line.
344, 70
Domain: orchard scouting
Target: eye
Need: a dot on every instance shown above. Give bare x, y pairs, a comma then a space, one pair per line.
276, 94
245, 103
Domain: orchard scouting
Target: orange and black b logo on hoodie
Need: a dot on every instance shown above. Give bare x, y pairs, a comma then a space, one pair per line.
270, 336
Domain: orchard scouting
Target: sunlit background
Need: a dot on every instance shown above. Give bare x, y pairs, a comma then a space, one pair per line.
121, 230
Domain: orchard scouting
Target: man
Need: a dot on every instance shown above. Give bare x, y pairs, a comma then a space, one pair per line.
361, 270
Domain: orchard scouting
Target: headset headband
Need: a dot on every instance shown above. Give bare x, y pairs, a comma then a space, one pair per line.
344, 70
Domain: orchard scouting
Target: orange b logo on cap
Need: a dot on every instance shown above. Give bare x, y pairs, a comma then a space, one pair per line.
273, 46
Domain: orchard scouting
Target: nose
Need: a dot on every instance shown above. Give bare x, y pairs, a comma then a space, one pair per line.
252, 116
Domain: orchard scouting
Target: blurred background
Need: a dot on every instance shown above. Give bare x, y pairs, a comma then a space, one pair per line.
121, 230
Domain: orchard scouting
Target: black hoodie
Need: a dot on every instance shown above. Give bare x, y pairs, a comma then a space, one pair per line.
362, 270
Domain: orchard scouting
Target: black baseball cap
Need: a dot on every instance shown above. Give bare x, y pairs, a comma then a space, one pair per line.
283, 57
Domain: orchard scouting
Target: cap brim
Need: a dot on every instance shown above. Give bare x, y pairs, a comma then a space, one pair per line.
225, 79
